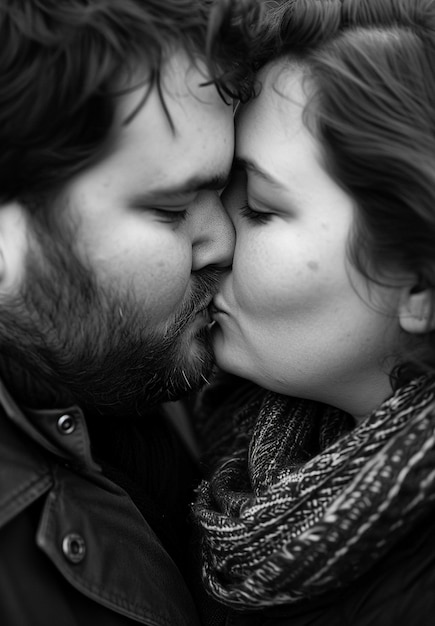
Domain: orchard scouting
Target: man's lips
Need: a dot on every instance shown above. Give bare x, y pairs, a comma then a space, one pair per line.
205, 305
203, 310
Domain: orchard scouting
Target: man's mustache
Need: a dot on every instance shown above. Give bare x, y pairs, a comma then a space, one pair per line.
205, 287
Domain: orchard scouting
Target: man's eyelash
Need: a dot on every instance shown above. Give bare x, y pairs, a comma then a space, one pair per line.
173, 216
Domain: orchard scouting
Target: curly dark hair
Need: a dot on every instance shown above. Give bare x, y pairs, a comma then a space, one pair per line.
59, 61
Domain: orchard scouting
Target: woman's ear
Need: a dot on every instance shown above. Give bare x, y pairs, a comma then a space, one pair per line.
417, 310
13, 246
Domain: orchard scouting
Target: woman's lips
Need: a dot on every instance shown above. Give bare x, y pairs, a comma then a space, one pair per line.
215, 309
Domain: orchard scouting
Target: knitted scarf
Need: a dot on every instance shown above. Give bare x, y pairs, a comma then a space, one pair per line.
306, 501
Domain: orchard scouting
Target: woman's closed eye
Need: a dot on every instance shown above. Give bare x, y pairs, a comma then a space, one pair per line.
252, 215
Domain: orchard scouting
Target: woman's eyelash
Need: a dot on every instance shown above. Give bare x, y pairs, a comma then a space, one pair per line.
254, 216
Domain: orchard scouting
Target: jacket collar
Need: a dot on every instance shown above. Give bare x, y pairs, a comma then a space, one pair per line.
62, 432
129, 572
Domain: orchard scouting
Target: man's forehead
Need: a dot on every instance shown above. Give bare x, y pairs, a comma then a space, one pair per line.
180, 77
148, 158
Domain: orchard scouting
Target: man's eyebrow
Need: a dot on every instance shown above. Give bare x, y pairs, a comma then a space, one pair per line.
251, 166
196, 183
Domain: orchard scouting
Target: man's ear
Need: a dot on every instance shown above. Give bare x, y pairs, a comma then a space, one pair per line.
13, 245
417, 310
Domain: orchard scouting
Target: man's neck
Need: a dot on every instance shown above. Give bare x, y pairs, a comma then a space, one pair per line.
31, 390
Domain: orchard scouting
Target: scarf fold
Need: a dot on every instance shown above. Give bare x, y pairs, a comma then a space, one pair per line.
307, 501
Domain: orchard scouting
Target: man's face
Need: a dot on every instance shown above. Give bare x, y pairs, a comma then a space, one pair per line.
144, 239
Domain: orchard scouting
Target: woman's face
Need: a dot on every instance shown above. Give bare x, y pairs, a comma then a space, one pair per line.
293, 315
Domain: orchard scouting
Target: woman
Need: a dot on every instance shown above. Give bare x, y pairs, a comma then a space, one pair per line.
320, 504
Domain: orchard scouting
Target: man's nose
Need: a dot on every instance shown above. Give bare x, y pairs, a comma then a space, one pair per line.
213, 236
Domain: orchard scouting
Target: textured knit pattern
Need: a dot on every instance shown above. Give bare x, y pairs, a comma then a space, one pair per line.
306, 501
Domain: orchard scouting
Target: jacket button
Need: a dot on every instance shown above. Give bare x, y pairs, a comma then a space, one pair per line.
66, 424
74, 547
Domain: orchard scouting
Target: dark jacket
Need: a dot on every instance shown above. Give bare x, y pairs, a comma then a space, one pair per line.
74, 549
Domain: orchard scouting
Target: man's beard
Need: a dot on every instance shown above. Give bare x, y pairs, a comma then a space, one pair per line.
66, 340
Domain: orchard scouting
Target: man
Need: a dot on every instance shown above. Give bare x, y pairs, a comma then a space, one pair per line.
115, 142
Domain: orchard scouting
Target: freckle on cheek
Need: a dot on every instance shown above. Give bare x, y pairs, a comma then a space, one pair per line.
313, 265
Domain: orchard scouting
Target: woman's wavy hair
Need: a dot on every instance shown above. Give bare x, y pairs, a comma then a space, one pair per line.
371, 64
60, 59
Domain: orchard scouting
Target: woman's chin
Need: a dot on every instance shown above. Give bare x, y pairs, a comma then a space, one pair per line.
228, 359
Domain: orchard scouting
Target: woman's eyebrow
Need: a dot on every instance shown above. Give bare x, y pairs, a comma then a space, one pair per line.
249, 165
